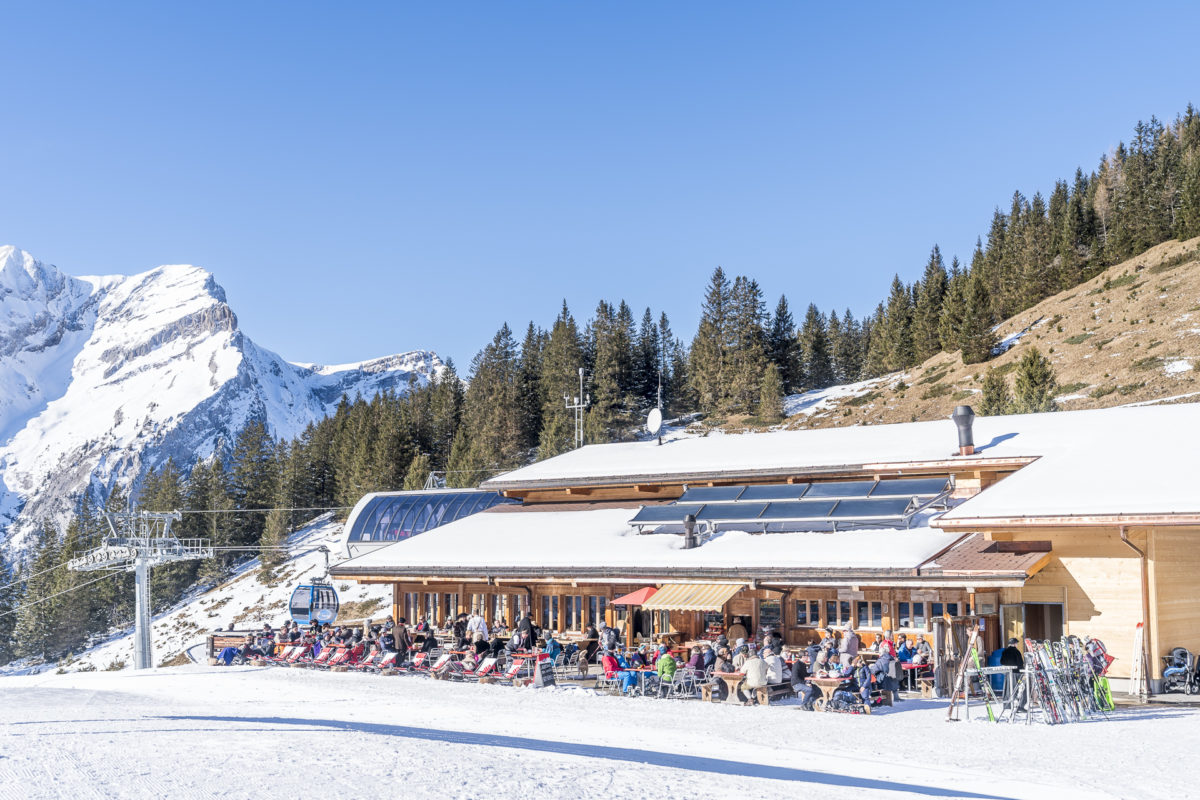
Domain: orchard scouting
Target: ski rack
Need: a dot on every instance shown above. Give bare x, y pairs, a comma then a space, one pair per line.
1062, 683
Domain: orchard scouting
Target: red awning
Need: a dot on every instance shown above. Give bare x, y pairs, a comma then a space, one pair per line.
635, 598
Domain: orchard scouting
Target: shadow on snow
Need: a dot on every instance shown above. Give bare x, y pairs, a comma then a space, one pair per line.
628, 754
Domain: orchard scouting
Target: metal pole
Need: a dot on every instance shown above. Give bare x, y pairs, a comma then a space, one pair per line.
141, 623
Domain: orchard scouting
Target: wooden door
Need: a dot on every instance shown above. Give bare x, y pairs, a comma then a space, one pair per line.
1012, 620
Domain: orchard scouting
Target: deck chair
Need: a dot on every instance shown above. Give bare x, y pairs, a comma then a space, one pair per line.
369, 662
417, 664
387, 662
284, 655
298, 653
514, 670
441, 663
485, 668
322, 658
340, 655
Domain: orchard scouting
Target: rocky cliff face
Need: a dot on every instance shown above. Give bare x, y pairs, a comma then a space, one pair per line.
102, 378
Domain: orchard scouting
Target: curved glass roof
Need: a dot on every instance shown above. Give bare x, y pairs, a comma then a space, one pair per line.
392, 517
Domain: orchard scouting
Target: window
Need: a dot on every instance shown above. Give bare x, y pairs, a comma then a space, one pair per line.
499, 606
864, 615
662, 621
808, 613
596, 607
770, 613
938, 609
431, 606
876, 614
952, 609
549, 619
911, 615
574, 612
837, 613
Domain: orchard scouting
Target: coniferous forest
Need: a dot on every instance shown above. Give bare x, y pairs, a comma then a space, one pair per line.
746, 355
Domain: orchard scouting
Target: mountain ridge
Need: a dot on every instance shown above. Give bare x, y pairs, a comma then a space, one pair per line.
105, 377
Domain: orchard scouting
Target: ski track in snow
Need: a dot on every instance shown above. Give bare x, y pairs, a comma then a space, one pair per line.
240, 732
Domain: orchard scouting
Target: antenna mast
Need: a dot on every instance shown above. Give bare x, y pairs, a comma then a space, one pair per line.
578, 404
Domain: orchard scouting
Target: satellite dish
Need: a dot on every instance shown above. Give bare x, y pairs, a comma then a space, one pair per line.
654, 421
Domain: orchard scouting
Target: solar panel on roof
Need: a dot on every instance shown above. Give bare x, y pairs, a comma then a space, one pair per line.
665, 514
711, 494
881, 508
777, 491
798, 509
911, 487
840, 489
731, 512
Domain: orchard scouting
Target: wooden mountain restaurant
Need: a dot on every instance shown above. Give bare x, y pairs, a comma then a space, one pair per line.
1041, 525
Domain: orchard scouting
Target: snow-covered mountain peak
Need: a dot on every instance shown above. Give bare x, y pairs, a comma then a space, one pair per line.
104, 377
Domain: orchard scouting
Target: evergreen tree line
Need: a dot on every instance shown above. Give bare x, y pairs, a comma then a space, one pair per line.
741, 359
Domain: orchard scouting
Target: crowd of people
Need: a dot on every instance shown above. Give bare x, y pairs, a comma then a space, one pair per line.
838, 653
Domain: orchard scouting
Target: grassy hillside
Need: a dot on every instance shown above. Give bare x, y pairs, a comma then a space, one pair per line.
1129, 335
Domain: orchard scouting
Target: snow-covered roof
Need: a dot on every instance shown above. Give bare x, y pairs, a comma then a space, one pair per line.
1104, 461
600, 541
1119, 462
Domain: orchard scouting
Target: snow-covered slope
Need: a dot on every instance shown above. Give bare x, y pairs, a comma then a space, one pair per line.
243, 602
104, 377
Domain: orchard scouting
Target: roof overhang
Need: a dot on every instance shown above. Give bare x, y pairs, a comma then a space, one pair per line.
1067, 521
798, 472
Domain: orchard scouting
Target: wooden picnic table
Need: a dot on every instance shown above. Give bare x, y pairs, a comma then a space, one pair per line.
827, 686
732, 681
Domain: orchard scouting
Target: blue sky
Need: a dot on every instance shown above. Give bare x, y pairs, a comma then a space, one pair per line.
365, 179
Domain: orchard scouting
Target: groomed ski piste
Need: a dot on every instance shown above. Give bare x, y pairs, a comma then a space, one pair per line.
200, 731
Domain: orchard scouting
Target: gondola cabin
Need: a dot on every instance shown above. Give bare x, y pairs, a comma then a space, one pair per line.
315, 602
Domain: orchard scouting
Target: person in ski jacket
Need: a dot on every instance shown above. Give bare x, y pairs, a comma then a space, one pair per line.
552, 648
609, 637
696, 660
775, 666
849, 643
755, 670
904, 651
885, 668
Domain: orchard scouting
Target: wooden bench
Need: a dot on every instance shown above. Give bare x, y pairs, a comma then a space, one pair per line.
219, 641
925, 684
776, 691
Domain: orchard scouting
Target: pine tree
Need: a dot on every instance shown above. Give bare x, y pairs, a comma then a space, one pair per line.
953, 310
816, 363
927, 340
770, 396
38, 617
1035, 385
10, 594
647, 364
747, 354
783, 348
529, 393
489, 417
418, 472
561, 362
897, 330
445, 406
976, 337
707, 361
995, 399
253, 478
847, 348
679, 395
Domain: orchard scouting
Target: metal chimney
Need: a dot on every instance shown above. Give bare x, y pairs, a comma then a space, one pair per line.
963, 417
689, 532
